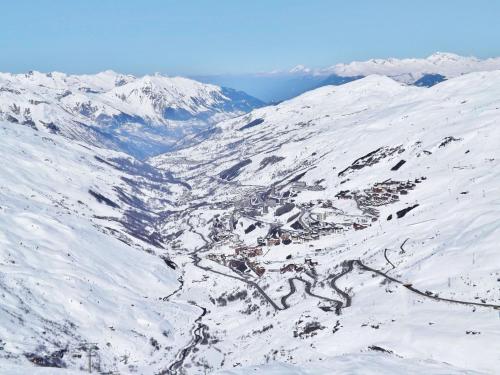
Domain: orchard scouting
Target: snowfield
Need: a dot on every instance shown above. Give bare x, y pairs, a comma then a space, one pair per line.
65, 281
403, 179
410, 70
448, 65
355, 364
351, 230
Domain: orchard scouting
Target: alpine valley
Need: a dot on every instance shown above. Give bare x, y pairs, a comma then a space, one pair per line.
158, 225
142, 116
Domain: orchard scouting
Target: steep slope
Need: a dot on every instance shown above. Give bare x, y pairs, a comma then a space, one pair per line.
141, 116
354, 219
80, 266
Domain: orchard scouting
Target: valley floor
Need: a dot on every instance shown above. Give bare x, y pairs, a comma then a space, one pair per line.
352, 230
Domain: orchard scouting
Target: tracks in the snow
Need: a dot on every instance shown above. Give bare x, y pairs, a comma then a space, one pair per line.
346, 268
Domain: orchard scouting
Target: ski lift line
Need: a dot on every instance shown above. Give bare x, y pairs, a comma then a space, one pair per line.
421, 222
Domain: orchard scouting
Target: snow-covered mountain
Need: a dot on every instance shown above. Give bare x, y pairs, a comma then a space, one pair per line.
142, 116
409, 71
281, 84
350, 230
350, 220
81, 264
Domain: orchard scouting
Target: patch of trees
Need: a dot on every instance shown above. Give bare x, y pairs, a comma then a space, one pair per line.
102, 199
233, 172
269, 160
251, 124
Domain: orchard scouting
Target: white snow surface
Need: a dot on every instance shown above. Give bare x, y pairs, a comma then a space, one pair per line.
65, 280
324, 168
348, 138
355, 364
407, 70
123, 112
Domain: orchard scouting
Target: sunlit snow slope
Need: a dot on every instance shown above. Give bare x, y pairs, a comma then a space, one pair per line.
368, 214
142, 116
353, 229
72, 273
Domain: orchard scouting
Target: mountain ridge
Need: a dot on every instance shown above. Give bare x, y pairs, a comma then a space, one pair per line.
281, 85
365, 213
351, 226
139, 115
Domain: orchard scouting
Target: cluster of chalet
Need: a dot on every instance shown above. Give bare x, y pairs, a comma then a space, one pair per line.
287, 238
241, 265
176, 244
293, 267
248, 252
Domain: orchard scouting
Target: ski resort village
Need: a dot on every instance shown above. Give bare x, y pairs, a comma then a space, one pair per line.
160, 225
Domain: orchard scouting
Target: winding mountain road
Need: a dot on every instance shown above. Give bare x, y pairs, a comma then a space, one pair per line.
348, 266
199, 332
308, 286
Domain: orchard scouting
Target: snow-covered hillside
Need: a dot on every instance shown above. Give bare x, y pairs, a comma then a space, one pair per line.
356, 219
411, 70
354, 364
425, 72
141, 116
74, 272
351, 230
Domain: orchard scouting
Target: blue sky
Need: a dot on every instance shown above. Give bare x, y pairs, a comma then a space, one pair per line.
193, 37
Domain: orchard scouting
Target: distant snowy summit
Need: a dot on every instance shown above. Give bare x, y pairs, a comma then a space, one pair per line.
280, 85
138, 115
153, 114
410, 71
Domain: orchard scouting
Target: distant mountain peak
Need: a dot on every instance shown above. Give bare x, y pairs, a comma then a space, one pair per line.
436, 56
407, 69
411, 69
300, 69
139, 115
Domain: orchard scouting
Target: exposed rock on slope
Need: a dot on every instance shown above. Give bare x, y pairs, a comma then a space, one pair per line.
141, 116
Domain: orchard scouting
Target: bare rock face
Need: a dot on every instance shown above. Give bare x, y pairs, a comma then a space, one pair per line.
142, 116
